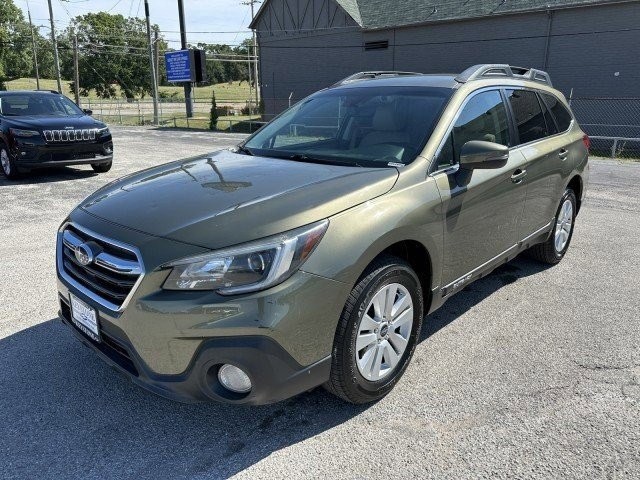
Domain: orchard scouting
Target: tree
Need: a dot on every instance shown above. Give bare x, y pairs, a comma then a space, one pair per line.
213, 116
15, 43
112, 52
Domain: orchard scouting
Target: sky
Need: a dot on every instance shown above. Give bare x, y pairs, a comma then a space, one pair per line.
213, 16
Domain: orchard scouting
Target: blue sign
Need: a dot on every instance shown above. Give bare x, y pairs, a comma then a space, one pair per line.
178, 66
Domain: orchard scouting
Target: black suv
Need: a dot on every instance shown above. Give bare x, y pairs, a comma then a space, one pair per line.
44, 129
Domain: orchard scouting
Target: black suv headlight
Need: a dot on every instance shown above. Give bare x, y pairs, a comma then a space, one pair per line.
18, 132
103, 132
249, 267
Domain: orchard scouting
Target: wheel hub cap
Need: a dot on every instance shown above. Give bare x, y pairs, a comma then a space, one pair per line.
564, 223
384, 331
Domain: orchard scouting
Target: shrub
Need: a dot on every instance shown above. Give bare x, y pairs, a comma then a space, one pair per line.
213, 116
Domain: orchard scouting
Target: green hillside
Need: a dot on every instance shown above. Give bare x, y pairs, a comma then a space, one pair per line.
224, 92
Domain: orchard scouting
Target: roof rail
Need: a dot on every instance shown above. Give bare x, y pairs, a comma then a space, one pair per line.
491, 70
369, 75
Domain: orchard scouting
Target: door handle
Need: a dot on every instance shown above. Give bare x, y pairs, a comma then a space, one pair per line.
518, 175
563, 154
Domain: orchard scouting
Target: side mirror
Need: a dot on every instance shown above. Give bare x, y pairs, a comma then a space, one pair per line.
87, 111
480, 154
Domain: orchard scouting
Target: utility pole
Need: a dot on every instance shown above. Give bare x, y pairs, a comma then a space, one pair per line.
156, 53
35, 54
152, 63
255, 53
76, 70
183, 42
56, 60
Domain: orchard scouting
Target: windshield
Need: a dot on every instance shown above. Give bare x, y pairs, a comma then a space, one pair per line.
365, 126
38, 104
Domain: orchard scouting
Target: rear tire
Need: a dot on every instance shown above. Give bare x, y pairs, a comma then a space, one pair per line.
377, 332
101, 167
7, 164
555, 247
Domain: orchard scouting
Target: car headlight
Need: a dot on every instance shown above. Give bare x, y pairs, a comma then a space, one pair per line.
24, 133
103, 131
249, 267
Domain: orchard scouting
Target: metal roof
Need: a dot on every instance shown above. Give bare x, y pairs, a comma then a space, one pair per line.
378, 14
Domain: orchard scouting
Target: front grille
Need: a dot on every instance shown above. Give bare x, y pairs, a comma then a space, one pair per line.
112, 272
58, 136
61, 157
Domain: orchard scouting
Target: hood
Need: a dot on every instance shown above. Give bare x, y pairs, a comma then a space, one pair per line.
78, 122
224, 198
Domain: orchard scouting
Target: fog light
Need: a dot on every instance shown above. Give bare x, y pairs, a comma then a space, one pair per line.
234, 379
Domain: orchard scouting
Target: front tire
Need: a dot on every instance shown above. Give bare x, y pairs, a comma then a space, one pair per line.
555, 247
101, 167
377, 332
7, 164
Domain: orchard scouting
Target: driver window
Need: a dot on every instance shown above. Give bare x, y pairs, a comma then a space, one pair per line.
484, 117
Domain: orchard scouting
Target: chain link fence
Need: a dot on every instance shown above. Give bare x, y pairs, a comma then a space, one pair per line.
233, 116
612, 123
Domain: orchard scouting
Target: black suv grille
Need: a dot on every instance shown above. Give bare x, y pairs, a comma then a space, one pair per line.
58, 136
110, 274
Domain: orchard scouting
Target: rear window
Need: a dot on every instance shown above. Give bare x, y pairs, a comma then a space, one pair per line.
528, 115
560, 112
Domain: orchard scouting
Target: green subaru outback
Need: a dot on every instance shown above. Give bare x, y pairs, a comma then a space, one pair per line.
312, 253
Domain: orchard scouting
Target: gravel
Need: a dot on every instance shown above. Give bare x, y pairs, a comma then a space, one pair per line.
532, 372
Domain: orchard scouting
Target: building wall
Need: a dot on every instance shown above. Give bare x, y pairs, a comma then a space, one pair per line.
562, 42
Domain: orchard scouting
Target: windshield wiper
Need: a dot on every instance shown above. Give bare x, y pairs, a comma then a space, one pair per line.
244, 150
300, 157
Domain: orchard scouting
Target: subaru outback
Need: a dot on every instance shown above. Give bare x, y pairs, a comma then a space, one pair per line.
312, 253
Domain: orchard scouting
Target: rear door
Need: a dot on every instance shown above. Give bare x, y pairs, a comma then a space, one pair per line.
540, 145
482, 208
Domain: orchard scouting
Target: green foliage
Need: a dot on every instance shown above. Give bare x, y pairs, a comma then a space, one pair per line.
113, 52
213, 116
16, 54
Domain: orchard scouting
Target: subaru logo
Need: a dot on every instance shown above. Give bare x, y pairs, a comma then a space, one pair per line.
83, 254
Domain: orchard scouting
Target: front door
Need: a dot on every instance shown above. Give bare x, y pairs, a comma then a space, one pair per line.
482, 207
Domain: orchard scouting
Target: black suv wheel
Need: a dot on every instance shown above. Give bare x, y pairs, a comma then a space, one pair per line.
6, 162
101, 167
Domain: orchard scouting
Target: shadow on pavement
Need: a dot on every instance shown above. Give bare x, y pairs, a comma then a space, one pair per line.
65, 414
48, 175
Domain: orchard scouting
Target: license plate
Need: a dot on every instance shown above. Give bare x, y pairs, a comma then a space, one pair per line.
85, 318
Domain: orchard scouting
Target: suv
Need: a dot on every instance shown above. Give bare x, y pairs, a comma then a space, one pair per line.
310, 254
44, 129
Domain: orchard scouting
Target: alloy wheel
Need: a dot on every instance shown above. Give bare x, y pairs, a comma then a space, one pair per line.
564, 223
4, 160
384, 331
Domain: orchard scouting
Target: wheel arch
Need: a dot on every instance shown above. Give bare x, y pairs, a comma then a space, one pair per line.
576, 184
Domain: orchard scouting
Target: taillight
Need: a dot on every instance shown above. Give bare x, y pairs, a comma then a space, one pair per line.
587, 141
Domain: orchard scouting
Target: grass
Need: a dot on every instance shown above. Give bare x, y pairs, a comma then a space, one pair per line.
239, 123
225, 92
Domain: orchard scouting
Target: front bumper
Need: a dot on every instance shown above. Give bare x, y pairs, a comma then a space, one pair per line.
39, 154
274, 374
168, 341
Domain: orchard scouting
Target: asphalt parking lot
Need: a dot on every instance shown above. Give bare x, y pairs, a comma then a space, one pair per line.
532, 372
